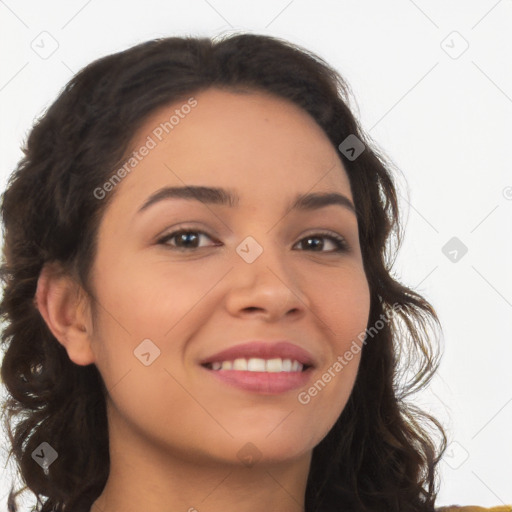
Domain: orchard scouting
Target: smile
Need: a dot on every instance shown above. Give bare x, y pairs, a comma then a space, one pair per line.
249, 375
255, 364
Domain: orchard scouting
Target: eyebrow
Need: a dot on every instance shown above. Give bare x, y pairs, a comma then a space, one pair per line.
225, 197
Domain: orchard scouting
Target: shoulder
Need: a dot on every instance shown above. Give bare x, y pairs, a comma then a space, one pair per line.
474, 508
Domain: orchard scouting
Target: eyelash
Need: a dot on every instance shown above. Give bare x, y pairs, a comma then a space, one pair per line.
339, 241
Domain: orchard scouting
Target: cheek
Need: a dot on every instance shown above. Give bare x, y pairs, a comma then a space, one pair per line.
344, 307
147, 315
134, 314
140, 317
343, 313
142, 302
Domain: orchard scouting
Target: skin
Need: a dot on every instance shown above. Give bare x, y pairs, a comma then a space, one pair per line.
175, 431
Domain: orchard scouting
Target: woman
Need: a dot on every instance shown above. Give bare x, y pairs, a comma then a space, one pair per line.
256, 370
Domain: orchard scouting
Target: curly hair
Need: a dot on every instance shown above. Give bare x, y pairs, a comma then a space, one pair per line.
380, 453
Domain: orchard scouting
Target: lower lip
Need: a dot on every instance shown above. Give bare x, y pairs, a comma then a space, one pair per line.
269, 383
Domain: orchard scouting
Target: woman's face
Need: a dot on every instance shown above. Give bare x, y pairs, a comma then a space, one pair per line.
254, 270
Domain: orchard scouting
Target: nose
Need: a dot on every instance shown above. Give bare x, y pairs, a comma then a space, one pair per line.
265, 287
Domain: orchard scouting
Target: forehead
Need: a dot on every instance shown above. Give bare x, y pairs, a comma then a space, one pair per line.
253, 142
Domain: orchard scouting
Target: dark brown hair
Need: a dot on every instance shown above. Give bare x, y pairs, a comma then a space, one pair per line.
379, 455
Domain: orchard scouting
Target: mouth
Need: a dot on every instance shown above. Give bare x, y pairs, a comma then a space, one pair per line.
261, 376
260, 365
263, 367
260, 356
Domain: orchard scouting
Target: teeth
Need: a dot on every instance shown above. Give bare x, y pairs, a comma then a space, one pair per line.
255, 364
287, 365
240, 364
296, 366
275, 365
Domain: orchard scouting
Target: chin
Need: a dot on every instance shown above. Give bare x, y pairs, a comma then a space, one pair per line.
273, 448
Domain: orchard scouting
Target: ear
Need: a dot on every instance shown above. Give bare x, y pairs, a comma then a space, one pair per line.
65, 308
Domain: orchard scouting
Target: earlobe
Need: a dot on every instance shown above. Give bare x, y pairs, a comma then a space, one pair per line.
60, 301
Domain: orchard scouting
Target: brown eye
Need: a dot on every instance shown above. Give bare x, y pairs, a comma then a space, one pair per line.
185, 239
315, 246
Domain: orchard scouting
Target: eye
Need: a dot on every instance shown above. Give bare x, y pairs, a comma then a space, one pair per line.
185, 239
188, 239
338, 241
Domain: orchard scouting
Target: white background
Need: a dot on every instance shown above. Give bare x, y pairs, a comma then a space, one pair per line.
441, 114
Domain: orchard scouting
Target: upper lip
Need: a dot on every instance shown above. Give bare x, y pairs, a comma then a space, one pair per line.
264, 350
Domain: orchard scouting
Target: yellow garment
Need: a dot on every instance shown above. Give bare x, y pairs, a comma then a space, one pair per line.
474, 508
